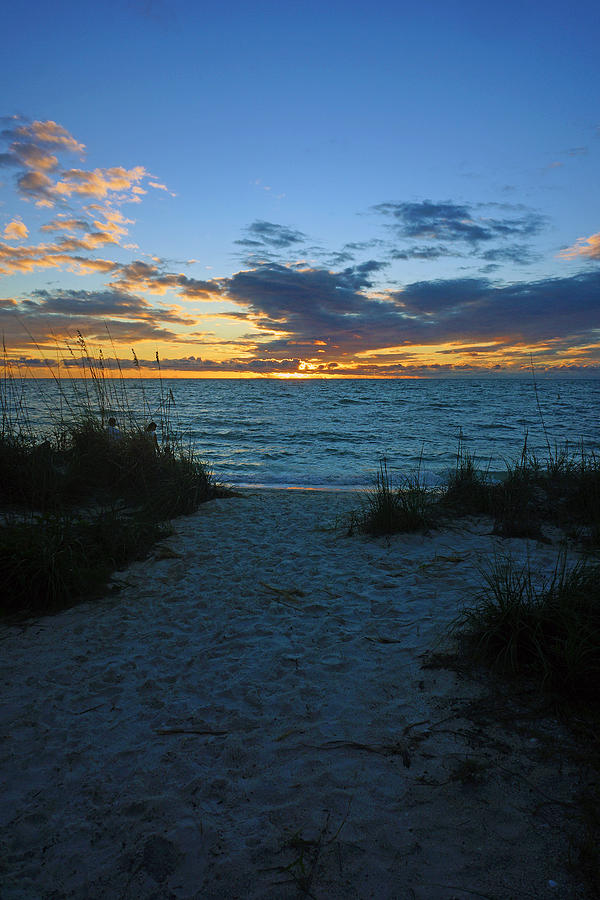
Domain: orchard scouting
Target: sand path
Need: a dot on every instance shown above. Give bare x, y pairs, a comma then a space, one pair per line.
249, 718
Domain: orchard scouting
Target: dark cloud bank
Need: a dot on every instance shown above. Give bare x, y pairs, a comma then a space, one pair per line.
300, 313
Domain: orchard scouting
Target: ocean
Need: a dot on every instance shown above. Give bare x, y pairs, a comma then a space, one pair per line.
333, 433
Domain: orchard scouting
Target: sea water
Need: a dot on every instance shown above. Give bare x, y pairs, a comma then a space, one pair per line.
334, 433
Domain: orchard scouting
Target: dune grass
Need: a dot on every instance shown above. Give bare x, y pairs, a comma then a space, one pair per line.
86, 500
390, 509
467, 488
547, 630
49, 562
562, 490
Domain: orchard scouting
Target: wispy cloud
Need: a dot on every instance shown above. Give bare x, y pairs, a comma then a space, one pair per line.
88, 201
34, 145
269, 240
454, 222
586, 246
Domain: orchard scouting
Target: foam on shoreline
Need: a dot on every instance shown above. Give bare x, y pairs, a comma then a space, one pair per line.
250, 717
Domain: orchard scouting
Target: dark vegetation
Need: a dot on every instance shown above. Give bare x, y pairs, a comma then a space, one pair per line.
389, 509
539, 636
547, 630
81, 502
546, 633
562, 490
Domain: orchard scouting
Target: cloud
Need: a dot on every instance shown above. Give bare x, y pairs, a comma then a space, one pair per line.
97, 315
191, 365
445, 296
473, 309
99, 183
63, 223
313, 320
34, 157
62, 254
583, 246
422, 252
519, 254
34, 145
48, 329
131, 277
35, 150
107, 304
142, 276
36, 186
455, 222
333, 313
49, 134
15, 231
328, 310
270, 236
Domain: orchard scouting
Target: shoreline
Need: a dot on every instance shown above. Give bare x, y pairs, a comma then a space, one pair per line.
325, 488
254, 715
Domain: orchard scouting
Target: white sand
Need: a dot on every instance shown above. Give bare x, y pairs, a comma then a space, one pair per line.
232, 725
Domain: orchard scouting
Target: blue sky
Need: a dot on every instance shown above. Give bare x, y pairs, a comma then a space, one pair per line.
370, 189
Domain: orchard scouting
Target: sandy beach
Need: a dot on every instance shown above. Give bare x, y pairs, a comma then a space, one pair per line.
253, 716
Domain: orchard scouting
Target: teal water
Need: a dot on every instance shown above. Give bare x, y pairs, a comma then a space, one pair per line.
333, 433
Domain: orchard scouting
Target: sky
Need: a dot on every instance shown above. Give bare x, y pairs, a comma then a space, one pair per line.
263, 189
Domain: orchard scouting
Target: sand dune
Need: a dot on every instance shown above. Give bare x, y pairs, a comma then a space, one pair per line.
250, 718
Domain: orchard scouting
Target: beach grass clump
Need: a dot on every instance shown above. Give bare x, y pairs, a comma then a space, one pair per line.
516, 503
390, 510
581, 502
467, 489
53, 549
27, 475
545, 630
85, 465
165, 480
90, 496
563, 489
51, 561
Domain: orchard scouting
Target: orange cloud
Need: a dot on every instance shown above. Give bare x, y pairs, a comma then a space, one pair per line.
38, 186
15, 231
107, 231
34, 157
142, 276
61, 223
50, 132
99, 182
33, 147
114, 222
589, 247
52, 256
